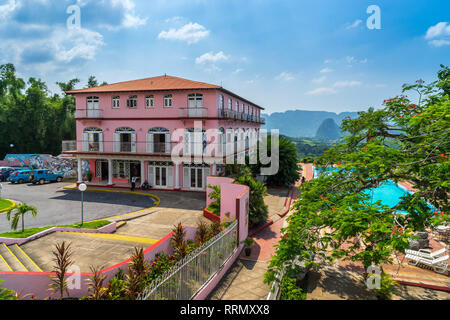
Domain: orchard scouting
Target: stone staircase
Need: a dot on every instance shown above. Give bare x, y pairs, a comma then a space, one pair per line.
13, 258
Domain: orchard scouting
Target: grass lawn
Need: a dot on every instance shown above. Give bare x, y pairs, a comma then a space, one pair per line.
5, 204
29, 232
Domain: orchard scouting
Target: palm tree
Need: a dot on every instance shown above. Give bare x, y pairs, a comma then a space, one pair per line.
18, 212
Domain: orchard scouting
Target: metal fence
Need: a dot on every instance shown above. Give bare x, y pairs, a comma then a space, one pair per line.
189, 275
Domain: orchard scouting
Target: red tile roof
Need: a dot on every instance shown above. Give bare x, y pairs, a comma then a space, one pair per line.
148, 84
156, 83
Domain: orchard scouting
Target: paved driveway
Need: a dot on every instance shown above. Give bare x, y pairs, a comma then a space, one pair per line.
57, 206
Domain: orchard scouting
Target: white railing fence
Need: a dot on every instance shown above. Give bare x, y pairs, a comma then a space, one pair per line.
185, 279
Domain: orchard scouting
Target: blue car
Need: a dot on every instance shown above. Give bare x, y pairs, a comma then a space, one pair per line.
42, 176
21, 176
5, 172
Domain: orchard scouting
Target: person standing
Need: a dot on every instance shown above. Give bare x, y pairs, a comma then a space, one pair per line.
133, 183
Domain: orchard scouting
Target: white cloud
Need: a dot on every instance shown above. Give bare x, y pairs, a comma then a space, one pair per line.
439, 43
238, 71
326, 70
210, 57
132, 21
350, 59
322, 91
191, 33
334, 87
285, 76
344, 84
438, 30
8, 8
355, 24
439, 34
319, 80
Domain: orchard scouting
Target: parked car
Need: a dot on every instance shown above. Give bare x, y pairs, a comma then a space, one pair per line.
5, 172
42, 176
21, 176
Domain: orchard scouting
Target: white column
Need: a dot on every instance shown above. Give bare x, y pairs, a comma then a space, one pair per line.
142, 171
214, 170
80, 173
177, 176
110, 172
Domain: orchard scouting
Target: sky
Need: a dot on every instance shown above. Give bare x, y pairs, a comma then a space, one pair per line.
281, 54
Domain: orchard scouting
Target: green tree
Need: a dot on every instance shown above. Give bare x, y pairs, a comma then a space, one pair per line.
214, 195
92, 82
18, 212
258, 209
288, 171
30, 118
403, 141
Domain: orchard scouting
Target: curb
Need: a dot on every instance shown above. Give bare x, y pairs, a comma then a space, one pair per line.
10, 207
21, 241
281, 215
210, 215
261, 228
157, 202
423, 285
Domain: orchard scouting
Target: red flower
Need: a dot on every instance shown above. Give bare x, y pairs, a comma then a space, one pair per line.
442, 214
442, 155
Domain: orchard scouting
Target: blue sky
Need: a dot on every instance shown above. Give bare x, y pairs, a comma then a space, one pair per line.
281, 54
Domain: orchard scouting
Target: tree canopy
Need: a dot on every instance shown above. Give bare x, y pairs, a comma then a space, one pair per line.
32, 120
334, 216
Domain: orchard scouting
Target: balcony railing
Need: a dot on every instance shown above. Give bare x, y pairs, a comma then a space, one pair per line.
88, 113
192, 148
68, 145
193, 112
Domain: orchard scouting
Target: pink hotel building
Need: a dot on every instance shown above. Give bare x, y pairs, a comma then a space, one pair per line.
125, 129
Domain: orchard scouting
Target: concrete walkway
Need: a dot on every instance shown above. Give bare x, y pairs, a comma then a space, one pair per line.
245, 280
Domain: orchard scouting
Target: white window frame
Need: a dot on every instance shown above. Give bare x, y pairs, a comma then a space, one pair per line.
230, 104
195, 100
116, 102
168, 101
132, 102
150, 102
221, 102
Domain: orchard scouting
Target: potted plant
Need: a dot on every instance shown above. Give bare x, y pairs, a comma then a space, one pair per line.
89, 176
248, 246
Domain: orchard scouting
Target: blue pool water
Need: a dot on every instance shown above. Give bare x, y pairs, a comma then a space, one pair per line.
389, 193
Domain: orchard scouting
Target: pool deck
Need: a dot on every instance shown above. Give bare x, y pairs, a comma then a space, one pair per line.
400, 270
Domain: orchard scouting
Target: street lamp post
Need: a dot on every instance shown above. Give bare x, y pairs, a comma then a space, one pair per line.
82, 187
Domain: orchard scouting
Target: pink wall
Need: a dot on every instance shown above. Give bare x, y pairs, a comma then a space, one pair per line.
230, 193
142, 119
215, 181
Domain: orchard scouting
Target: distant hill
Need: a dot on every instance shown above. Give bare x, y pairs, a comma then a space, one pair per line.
328, 130
302, 123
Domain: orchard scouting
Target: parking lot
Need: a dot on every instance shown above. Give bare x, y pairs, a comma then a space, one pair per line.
58, 206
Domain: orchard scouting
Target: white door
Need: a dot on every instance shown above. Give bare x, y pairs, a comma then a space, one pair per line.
161, 176
93, 107
197, 178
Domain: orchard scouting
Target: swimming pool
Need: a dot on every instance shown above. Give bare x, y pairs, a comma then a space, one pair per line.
389, 193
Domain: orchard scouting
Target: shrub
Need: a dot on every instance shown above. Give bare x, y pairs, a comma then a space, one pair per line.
290, 290
258, 209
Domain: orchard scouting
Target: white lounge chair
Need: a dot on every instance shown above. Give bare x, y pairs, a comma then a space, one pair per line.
439, 265
426, 254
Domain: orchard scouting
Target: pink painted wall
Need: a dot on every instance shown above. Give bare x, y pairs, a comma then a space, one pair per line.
138, 118
215, 181
229, 194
